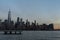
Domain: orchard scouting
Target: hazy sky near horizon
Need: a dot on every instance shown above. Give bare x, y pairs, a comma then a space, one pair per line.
44, 11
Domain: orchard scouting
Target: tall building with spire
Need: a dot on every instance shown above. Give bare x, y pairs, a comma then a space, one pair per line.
9, 16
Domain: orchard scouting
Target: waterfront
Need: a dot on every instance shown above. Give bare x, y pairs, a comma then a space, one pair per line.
33, 35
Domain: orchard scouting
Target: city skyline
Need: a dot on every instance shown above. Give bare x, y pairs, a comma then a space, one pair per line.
9, 24
19, 20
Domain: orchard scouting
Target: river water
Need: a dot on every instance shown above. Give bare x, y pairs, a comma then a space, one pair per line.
33, 35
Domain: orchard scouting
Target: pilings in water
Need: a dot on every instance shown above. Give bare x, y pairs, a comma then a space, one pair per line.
10, 32
5, 32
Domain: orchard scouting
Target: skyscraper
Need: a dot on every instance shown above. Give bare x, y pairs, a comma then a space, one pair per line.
9, 16
35, 22
18, 20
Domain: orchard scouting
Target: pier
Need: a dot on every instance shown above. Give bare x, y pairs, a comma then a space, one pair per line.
12, 32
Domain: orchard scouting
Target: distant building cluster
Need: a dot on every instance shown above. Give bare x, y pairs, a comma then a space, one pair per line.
21, 25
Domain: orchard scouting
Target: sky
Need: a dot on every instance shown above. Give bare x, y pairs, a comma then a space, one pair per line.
43, 11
